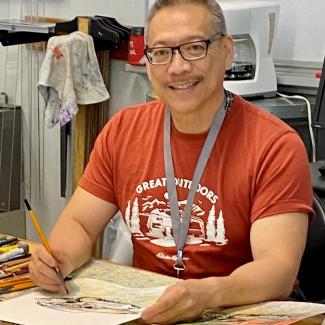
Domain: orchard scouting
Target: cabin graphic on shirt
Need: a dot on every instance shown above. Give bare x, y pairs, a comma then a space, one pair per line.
158, 227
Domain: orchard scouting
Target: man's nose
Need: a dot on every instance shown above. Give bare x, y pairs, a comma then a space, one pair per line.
178, 64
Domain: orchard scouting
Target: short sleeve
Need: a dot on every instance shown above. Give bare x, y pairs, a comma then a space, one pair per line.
282, 182
98, 177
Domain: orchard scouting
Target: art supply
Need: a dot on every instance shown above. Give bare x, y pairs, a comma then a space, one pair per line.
15, 257
5, 240
21, 271
23, 249
15, 280
45, 242
15, 262
16, 267
4, 249
15, 276
18, 287
4, 275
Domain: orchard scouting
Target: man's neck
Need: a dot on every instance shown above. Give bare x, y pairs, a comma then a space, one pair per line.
198, 121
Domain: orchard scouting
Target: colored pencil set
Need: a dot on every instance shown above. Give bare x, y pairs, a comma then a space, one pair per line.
14, 260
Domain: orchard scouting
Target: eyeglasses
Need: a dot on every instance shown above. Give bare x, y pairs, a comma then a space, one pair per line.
189, 51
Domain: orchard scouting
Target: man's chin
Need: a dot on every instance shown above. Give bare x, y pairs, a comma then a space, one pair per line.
183, 107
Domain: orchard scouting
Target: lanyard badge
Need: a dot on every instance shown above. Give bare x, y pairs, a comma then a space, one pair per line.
179, 264
181, 223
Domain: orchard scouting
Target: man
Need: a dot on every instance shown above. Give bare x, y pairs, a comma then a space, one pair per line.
239, 234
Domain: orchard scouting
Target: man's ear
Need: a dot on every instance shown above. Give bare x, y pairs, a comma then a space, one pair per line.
228, 44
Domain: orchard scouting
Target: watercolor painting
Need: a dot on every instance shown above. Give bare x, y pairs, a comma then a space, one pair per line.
86, 304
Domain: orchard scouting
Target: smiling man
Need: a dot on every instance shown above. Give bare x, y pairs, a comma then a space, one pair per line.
213, 189
188, 76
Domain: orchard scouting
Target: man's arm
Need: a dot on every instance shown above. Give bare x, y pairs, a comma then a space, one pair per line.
277, 245
72, 238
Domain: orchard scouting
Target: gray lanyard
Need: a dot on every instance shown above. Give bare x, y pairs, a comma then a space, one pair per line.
181, 223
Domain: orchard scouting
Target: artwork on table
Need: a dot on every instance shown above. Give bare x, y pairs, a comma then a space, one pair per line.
94, 304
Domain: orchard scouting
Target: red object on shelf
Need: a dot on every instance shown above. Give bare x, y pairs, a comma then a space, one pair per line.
120, 53
136, 46
318, 74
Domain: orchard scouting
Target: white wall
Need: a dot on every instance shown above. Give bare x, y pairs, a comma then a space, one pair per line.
131, 12
301, 33
126, 11
301, 30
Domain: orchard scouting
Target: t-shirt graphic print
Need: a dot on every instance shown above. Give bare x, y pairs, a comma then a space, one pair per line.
206, 228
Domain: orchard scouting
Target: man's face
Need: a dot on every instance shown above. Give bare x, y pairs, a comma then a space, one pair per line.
188, 86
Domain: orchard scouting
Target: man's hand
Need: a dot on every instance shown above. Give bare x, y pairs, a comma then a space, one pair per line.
186, 300
42, 270
71, 239
277, 240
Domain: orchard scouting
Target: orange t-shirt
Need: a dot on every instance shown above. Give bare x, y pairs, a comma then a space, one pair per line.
258, 167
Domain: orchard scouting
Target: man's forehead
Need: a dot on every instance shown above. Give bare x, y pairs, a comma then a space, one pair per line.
182, 13
180, 22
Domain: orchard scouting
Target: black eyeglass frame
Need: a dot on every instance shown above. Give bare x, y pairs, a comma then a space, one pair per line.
208, 41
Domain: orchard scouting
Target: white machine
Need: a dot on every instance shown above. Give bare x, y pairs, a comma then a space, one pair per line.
253, 25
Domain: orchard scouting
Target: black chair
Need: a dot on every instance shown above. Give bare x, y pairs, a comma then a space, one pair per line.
311, 274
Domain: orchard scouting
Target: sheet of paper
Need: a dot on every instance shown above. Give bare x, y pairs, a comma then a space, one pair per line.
25, 310
90, 301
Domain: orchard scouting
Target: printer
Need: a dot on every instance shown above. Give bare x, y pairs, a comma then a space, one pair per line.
253, 25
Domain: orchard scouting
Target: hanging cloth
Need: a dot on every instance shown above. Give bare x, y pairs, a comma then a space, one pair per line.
69, 76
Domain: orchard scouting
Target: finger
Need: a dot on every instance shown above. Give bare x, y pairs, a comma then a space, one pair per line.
171, 307
61, 259
46, 257
164, 308
171, 317
43, 263
43, 274
44, 279
57, 258
57, 288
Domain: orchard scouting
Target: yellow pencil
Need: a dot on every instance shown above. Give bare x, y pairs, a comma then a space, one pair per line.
15, 280
18, 287
15, 267
45, 242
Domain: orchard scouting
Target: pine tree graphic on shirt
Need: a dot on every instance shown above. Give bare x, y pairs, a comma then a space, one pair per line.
211, 228
221, 232
135, 220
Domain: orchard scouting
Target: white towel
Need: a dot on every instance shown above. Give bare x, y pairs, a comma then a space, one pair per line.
70, 75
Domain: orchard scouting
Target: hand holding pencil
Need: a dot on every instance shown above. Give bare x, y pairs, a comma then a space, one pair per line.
45, 243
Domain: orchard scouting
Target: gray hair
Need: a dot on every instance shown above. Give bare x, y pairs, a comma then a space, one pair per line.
217, 17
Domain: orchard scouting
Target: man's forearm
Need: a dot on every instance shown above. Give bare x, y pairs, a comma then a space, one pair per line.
251, 283
73, 240
254, 282
79, 225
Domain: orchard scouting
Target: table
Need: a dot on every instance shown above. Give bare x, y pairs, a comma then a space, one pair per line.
135, 278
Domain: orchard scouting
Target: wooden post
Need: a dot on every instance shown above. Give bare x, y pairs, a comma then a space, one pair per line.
88, 122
